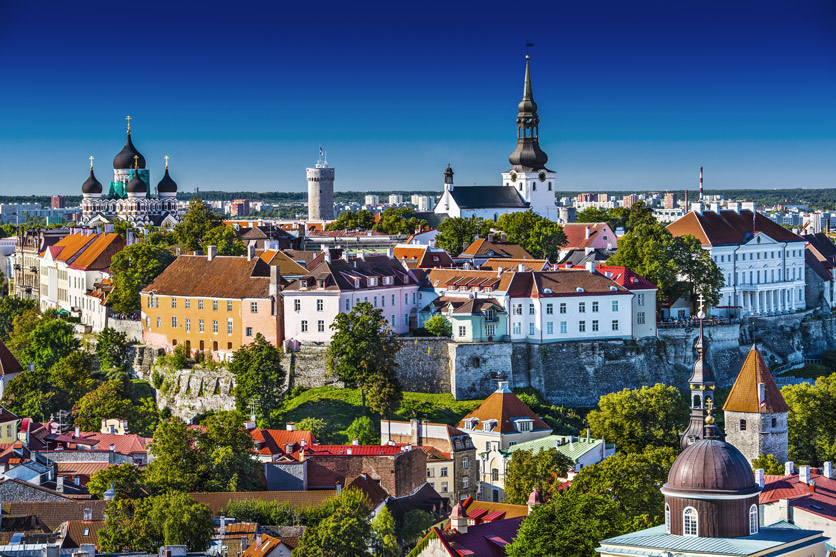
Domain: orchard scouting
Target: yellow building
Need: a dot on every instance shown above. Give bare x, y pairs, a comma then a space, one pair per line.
8, 426
214, 304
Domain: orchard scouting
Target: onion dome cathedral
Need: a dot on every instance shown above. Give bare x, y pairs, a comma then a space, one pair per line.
129, 197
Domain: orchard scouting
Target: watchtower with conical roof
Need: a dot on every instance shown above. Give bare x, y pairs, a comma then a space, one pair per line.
756, 413
528, 173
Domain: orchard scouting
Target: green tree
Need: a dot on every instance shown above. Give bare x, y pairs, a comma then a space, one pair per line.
439, 326
363, 430
362, 354
456, 233
49, 341
133, 269
128, 481
22, 326
812, 420
259, 377
414, 525
385, 541
225, 239
591, 214
176, 464
360, 220
317, 426
399, 220
571, 524
539, 236
696, 269
127, 527
30, 393
529, 470
72, 378
195, 224
112, 349
229, 462
106, 401
345, 532
633, 481
637, 418
769, 464
11, 307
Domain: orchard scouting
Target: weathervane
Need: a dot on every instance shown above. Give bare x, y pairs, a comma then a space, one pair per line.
527, 46
128, 118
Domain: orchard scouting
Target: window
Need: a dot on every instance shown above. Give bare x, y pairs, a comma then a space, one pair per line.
347, 304
188, 325
375, 301
530, 309
594, 325
320, 326
465, 463
159, 322
443, 487
495, 495
214, 305
742, 425
151, 301
549, 328
689, 522
525, 426
173, 302
549, 309
753, 519
563, 327
531, 328
229, 326
582, 326
200, 304
640, 318
393, 299
297, 305
430, 472
405, 298
640, 299
188, 303
174, 322
517, 328
249, 331
517, 309
594, 307
200, 325
462, 330
465, 482
615, 324
563, 307
774, 422
215, 326
615, 305
148, 322
228, 306
494, 474
490, 330
443, 472
304, 326
253, 307
383, 301
667, 518
582, 307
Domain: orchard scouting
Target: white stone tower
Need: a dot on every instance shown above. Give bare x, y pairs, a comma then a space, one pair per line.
320, 190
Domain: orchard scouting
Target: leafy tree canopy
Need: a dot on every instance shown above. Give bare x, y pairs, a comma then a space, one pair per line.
769, 464
128, 481
106, 401
176, 463
363, 430
11, 307
399, 220
538, 235
225, 239
456, 233
812, 421
259, 377
195, 224
439, 326
133, 269
345, 532
529, 470
359, 220
112, 349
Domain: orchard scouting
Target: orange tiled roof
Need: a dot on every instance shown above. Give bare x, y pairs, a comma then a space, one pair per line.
286, 265
744, 393
97, 254
70, 245
481, 248
729, 227
503, 406
513, 264
273, 441
576, 237
268, 544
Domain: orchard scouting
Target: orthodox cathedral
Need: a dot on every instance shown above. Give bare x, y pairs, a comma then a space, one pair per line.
128, 197
528, 184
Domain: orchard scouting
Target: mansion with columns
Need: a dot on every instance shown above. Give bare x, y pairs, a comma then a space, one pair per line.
129, 197
761, 261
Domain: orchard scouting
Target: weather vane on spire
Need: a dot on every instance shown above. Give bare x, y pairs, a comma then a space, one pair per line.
128, 118
166, 162
527, 46
91, 162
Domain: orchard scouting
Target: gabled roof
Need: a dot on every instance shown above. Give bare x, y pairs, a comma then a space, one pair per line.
504, 407
7, 416
96, 255
470, 279
341, 276
54, 513
483, 248
513, 264
70, 245
273, 441
563, 282
483, 540
422, 256
581, 257
268, 545
487, 197
286, 265
352, 450
729, 227
577, 238
126, 444
823, 244
223, 277
744, 393
372, 488
625, 277
79, 532
818, 263
8, 363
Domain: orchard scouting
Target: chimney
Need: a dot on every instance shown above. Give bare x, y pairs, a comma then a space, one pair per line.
828, 470
499, 271
290, 426
590, 266
355, 441
87, 515
521, 267
211, 252
586, 231
390, 253
759, 477
503, 237
414, 431
804, 474
258, 539
275, 281
348, 451
789, 468
223, 526
812, 485
490, 237
761, 393
77, 431
59, 484
250, 252
339, 489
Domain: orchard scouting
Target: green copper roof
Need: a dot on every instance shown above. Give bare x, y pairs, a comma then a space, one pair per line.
574, 450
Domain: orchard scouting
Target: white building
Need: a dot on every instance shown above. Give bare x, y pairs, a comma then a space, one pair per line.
762, 262
312, 302
372, 200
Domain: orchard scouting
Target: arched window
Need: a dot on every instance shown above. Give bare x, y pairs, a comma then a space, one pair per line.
697, 402
667, 519
689, 522
753, 519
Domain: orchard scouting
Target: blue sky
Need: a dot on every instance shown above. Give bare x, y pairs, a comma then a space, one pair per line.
240, 95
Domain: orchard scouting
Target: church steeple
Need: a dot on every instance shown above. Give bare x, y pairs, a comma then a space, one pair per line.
528, 156
701, 385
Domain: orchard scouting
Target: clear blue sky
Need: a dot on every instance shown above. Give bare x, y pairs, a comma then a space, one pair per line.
240, 95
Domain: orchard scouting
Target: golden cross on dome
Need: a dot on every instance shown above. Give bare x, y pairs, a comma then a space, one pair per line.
91, 162
136, 162
166, 162
710, 405
128, 118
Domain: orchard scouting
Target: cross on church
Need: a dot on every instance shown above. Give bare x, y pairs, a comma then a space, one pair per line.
166, 162
91, 162
701, 299
128, 118
136, 162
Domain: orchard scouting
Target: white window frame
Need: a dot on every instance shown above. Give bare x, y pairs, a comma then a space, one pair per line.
687, 524
754, 521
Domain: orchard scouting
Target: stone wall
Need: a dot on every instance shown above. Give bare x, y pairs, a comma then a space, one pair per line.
189, 392
424, 365
131, 327
308, 368
141, 359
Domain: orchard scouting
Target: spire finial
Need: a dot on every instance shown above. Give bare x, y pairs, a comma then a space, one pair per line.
166, 162
128, 118
136, 162
91, 162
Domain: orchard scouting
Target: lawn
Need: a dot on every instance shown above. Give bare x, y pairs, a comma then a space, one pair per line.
339, 407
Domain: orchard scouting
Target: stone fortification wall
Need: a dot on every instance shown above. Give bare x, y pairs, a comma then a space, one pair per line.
131, 327
189, 392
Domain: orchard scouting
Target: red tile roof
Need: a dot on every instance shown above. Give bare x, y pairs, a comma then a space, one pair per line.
273, 441
127, 444
821, 502
502, 406
356, 450
563, 282
425, 257
223, 277
744, 393
483, 540
576, 237
729, 227
625, 277
483, 248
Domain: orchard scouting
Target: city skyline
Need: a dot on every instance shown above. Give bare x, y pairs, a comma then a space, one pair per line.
628, 99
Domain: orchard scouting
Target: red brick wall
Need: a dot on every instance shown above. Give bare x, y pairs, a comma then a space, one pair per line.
399, 474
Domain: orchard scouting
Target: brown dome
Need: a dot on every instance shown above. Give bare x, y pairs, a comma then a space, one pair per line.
711, 466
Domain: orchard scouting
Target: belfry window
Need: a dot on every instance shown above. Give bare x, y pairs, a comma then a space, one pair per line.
753, 519
689, 522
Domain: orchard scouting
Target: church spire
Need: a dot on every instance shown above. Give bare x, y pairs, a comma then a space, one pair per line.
701, 385
528, 156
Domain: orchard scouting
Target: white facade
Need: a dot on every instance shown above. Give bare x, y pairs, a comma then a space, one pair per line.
536, 188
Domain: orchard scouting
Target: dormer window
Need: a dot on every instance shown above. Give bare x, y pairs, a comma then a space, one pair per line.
524, 425
356, 283
387, 280
372, 281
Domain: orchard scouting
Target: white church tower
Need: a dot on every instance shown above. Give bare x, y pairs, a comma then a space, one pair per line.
528, 173
320, 190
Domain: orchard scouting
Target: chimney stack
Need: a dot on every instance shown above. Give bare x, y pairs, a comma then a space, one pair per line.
77, 431
414, 425
759, 477
211, 252
586, 232
789, 468
828, 470
590, 266
804, 474
59, 484
290, 426
355, 442
250, 252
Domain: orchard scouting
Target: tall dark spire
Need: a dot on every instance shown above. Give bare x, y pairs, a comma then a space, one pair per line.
702, 385
528, 156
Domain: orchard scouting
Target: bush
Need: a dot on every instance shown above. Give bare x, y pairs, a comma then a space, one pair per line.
156, 379
439, 326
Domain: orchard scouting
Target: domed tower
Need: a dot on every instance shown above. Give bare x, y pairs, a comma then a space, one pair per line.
702, 385
711, 490
91, 188
137, 186
756, 413
320, 190
126, 163
528, 173
167, 187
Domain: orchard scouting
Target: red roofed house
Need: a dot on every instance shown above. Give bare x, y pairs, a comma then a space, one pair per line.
500, 421
276, 444
419, 256
806, 499
588, 235
756, 413
452, 465
761, 261
269, 546
644, 301
819, 276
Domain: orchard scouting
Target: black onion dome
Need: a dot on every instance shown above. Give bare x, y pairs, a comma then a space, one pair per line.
125, 159
91, 185
711, 466
137, 184
167, 185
